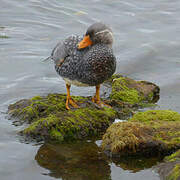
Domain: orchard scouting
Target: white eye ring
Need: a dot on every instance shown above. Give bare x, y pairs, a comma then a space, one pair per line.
106, 30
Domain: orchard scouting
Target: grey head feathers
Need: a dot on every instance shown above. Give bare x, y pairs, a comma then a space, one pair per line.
100, 33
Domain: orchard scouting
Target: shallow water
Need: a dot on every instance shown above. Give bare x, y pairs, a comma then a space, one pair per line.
146, 44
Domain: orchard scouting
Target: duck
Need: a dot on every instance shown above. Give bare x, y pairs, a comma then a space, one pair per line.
86, 60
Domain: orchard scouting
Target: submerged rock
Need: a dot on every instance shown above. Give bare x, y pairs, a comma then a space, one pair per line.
147, 133
170, 168
49, 119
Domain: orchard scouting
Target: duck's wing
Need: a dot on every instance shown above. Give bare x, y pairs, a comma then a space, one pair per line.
64, 49
59, 53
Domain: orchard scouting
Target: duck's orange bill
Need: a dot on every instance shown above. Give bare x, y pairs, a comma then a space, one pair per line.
85, 42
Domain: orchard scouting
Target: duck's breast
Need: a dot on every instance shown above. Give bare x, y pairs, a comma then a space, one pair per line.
98, 65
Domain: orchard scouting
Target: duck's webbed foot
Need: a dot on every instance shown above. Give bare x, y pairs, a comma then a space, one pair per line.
96, 99
69, 100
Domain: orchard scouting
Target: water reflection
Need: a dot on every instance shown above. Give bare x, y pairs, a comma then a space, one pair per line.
78, 161
84, 160
136, 164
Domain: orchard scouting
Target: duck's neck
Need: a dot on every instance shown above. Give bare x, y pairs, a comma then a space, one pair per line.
109, 45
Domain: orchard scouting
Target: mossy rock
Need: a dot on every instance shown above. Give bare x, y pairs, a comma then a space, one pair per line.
133, 92
147, 133
51, 121
156, 115
170, 168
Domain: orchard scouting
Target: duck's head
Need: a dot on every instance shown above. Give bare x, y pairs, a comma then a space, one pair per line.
97, 33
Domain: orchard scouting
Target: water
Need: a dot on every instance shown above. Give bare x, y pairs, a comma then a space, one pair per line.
146, 44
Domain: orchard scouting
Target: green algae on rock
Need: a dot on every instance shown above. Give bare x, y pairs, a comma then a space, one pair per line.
50, 120
170, 168
133, 92
147, 133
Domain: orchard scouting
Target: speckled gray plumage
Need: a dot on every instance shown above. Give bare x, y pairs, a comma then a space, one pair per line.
92, 65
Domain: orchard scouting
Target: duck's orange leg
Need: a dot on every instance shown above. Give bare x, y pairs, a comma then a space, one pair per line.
69, 100
96, 99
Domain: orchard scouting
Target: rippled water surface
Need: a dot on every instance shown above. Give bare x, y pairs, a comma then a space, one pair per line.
147, 44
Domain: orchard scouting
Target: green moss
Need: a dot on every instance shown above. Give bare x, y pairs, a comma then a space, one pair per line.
124, 137
127, 90
150, 96
166, 125
55, 134
156, 115
157, 128
3, 37
121, 91
130, 96
55, 122
41, 123
113, 77
173, 157
35, 98
30, 113
171, 141
175, 173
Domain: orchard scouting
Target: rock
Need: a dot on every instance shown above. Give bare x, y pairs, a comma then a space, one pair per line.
170, 168
133, 92
147, 133
49, 120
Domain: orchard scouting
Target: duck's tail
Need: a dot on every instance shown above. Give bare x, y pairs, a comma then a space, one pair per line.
47, 59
